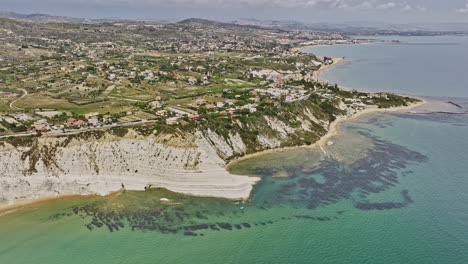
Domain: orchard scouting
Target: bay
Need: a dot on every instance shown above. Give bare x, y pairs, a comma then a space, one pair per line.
429, 66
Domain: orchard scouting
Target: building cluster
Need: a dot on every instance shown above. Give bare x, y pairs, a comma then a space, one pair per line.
43, 125
287, 95
280, 77
7, 94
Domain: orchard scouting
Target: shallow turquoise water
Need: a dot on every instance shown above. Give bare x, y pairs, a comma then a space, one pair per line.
391, 189
364, 214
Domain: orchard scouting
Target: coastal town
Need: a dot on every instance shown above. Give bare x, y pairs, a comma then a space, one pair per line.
61, 84
241, 96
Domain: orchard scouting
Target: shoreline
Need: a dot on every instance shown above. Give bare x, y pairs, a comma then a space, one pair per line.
308, 46
336, 61
333, 130
9, 207
300, 48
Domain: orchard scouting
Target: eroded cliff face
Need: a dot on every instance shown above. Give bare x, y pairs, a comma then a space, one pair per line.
101, 162
92, 164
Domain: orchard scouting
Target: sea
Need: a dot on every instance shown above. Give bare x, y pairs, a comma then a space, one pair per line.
392, 188
429, 66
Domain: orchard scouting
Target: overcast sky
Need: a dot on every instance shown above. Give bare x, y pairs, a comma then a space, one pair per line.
397, 11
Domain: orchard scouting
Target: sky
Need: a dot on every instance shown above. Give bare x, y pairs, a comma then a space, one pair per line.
390, 11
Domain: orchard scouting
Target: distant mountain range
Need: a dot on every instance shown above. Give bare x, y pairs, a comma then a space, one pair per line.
360, 27
354, 27
43, 18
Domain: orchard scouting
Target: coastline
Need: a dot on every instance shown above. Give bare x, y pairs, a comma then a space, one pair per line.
308, 46
9, 207
300, 48
336, 61
333, 130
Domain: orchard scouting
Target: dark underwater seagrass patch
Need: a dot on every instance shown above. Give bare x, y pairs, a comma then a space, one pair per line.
327, 185
377, 173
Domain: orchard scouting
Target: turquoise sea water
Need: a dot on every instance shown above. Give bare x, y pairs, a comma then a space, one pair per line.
430, 66
391, 189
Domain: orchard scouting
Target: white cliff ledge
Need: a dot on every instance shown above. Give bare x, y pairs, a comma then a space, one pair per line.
193, 163
63, 166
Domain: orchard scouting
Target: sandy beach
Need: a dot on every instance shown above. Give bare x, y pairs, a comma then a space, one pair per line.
336, 61
333, 129
9, 207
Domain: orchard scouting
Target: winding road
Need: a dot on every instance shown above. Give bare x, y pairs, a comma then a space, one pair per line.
12, 104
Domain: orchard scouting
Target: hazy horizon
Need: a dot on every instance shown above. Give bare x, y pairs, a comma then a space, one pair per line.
312, 11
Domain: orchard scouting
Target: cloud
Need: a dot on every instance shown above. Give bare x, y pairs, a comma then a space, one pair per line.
366, 5
247, 3
421, 8
324, 4
374, 4
386, 5
206, 3
407, 8
330, 5
463, 10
